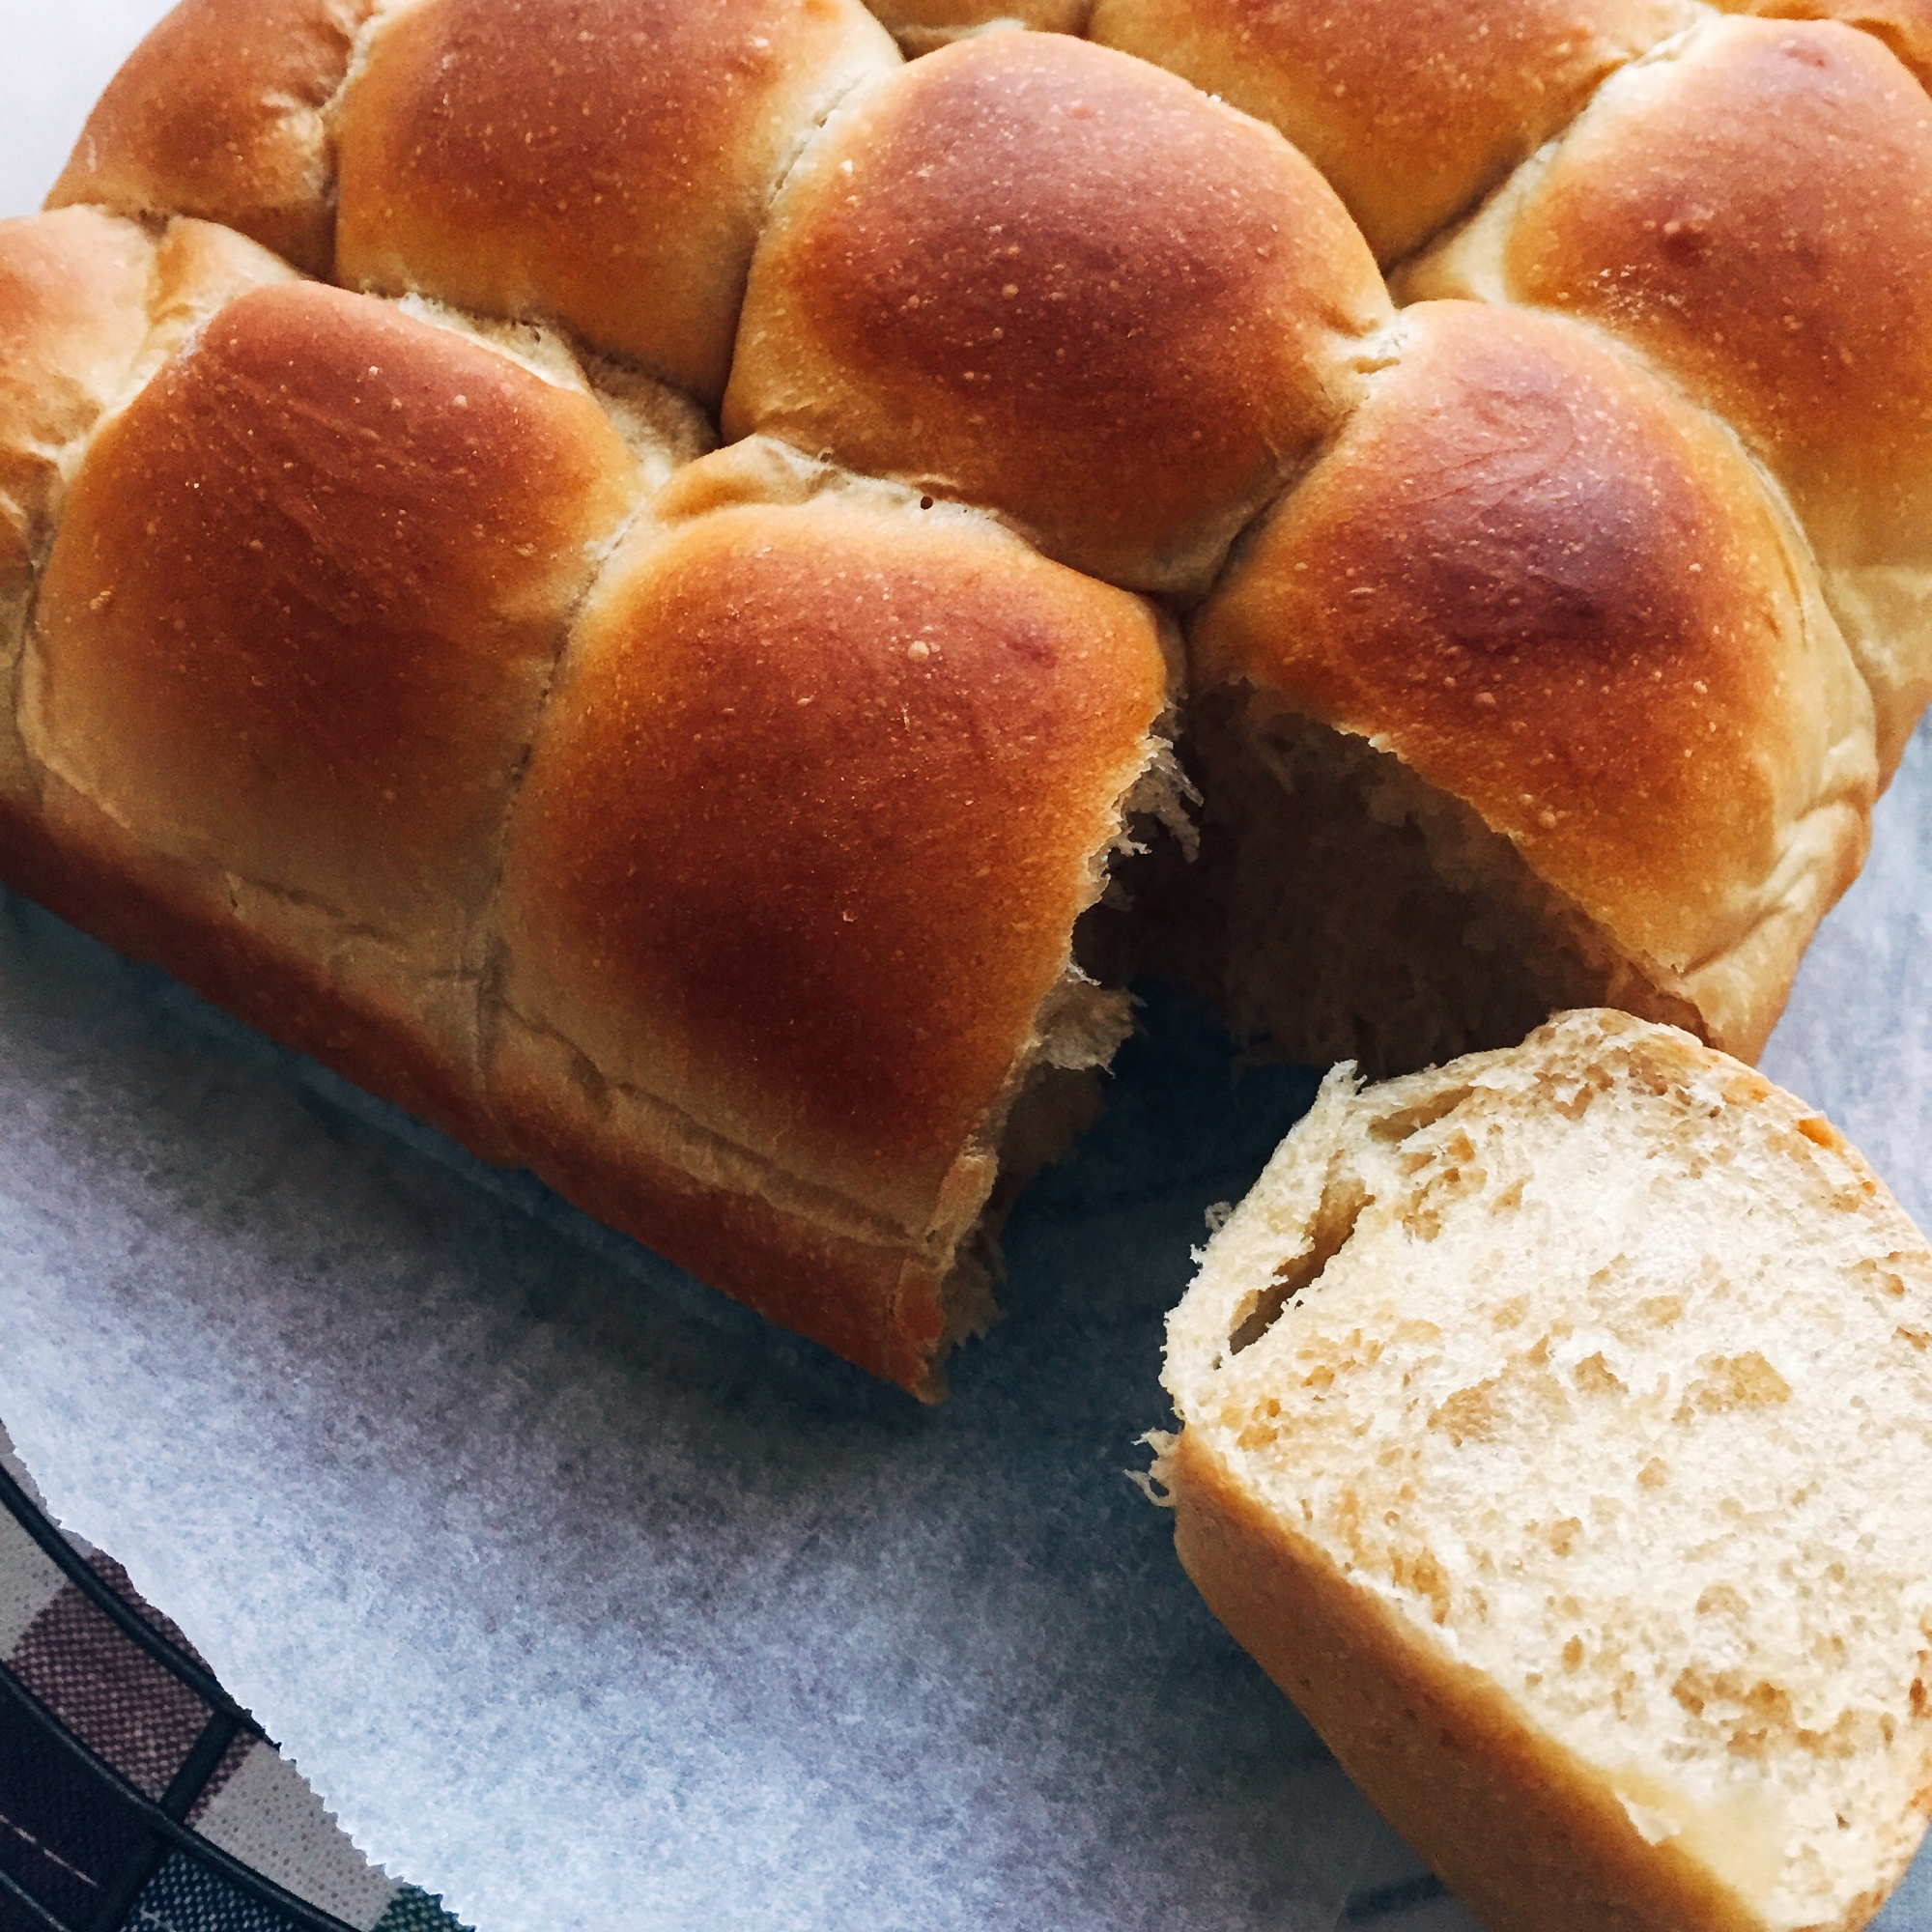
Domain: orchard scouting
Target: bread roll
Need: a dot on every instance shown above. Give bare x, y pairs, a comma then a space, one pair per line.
827, 779
291, 645
1549, 1431
1525, 693
1752, 207
89, 306
601, 164
222, 112
1039, 276
1413, 110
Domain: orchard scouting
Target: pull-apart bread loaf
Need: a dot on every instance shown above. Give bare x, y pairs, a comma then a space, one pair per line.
755, 838
1553, 1425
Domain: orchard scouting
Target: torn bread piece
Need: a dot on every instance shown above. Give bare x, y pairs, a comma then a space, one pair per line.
1525, 697
1551, 1431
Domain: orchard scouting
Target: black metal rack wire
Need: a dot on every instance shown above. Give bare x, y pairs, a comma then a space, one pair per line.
161, 1824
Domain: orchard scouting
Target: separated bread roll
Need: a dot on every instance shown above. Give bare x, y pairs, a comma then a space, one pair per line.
1548, 1429
1752, 207
1525, 695
1037, 275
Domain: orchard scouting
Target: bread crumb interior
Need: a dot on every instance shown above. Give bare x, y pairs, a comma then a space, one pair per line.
1606, 1365
1343, 908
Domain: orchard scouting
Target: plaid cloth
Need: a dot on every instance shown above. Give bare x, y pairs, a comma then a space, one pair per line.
74, 1845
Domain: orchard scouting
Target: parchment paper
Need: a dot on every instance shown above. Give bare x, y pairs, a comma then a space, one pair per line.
588, 1599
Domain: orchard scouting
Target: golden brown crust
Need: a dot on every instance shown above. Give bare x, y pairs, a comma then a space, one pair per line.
89, 304
1905, 26
1562, 596
299, 626
1753, 213
878, 1302
294, 630
329, 539
220, 113
1410, 118
810, 819
74, 314
1512, 1823
1039, 276
605, 163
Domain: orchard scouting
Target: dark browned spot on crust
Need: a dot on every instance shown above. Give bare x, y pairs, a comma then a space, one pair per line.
1519, 571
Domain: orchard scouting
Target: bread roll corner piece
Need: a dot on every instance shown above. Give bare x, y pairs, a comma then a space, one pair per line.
1552, 1425
795, 988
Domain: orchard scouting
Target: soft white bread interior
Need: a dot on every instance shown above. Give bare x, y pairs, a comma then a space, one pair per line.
1552, 1431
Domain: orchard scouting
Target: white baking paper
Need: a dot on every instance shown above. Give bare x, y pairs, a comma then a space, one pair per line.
586, 1598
